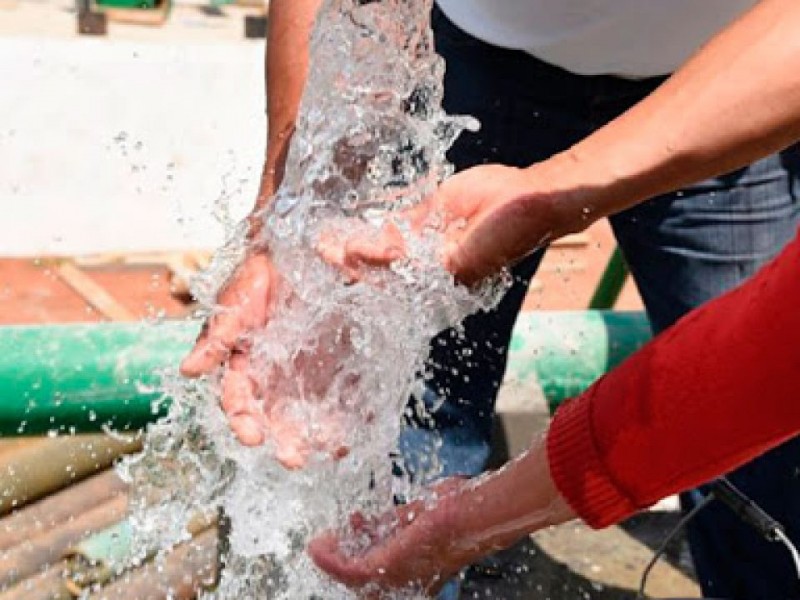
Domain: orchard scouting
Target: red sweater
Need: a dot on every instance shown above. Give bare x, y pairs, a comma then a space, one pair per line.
716, 390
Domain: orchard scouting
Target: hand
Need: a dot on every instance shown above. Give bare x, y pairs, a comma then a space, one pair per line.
257, 398
243, 306
489, 216
420, 550
423, 545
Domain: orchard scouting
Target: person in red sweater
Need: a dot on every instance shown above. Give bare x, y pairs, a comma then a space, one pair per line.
706, 396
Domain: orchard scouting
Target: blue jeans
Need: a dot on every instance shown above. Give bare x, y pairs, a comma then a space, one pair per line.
682, 249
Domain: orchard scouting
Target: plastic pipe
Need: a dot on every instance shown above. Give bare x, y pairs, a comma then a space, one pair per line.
187, 570
86, 378
611, 283
563, 353
45, 465
48, 512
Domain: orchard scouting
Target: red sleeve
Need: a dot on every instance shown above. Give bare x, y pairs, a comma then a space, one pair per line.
719, 388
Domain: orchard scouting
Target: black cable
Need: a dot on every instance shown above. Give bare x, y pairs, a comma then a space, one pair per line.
671, 536
747, 510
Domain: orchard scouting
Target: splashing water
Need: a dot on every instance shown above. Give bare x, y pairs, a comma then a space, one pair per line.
340, 361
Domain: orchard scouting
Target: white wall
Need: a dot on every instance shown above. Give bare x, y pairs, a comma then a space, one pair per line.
125, 146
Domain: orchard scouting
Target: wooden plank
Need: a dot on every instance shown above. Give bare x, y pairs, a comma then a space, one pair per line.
197, 258
572, 240
93, 293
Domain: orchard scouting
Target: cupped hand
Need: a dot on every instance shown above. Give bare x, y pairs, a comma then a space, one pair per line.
257, 398
243, 306
414, 547
489, 216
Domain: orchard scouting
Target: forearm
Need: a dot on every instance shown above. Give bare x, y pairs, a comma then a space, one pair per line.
736, 100
290, 25
498, 509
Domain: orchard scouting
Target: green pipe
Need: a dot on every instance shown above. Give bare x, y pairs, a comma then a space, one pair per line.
611, 283
84, 378
563, 353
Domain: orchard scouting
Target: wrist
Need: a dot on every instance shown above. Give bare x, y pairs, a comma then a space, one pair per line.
574, 191
498, 509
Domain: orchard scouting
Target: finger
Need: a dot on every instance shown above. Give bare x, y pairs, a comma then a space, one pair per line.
457, 261
331, 249
243, 305
365, 526
358, 522
379, 249
350, 250
326, 554
214, 345
238, 388
248, 429
292, 446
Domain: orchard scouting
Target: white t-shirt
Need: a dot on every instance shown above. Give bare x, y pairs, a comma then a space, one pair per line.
629, 38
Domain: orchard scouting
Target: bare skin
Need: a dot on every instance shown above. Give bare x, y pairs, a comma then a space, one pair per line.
724, 108
430, 542
246, 301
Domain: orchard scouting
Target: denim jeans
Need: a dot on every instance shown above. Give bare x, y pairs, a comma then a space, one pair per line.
682, 249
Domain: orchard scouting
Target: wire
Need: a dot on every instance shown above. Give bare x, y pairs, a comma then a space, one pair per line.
747, 510
744, 508
663, 547
782, 537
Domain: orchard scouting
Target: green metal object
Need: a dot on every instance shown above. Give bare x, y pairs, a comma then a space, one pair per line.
611, 283
143, 4
85, 378
565, 352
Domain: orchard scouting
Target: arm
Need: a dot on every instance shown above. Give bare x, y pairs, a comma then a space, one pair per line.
736, 100
245, 302
710, 394
290, 26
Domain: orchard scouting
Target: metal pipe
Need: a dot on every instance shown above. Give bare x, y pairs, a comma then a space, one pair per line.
24, 560
101, 557
34, 470
47, 585
88, 377
57, 508
180, 575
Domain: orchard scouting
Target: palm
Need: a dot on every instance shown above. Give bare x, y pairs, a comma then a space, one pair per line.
487, 216
258, 397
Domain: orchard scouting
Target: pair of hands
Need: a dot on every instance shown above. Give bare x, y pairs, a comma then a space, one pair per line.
488, 216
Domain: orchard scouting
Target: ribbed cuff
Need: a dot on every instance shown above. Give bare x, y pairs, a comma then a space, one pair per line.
578, 469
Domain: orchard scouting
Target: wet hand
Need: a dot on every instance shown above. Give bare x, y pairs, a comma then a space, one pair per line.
413, 548
489, 217
243, 305
253, 397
